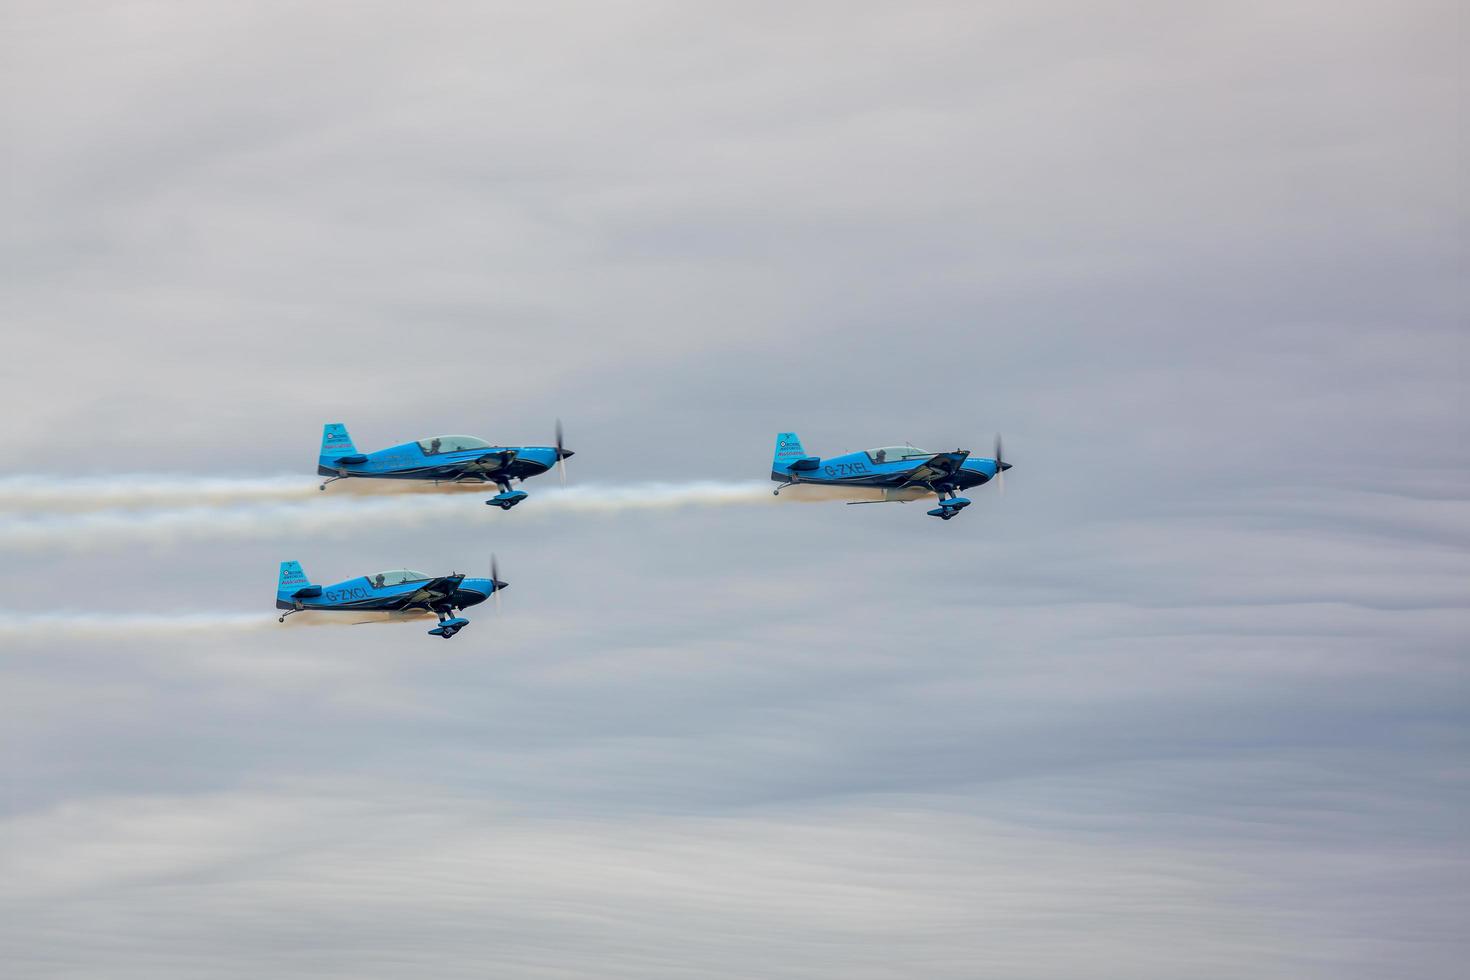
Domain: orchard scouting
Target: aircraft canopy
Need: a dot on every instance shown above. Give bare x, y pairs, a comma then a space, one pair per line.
894, 454
396, 576
451, 444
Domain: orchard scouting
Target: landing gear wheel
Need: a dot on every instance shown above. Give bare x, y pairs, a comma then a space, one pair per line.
281, 620
447, 634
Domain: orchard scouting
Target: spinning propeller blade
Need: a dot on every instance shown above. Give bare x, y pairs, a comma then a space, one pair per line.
561, 455
495, 584
1000, 467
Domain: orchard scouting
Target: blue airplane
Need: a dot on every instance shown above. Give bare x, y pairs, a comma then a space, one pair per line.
442, 459
401, 592
901, 472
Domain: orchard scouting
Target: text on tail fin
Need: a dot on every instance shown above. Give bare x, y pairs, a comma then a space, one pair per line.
788, 450
336, 442
292, 577
788, 447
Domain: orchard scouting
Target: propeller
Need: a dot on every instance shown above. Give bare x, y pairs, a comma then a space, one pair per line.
1000, 467
561, 455
495, 584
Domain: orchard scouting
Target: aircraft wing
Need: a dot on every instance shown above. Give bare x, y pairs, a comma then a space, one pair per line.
940, 466
395, 616
431, 591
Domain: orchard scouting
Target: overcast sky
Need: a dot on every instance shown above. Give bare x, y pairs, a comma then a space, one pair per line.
1189, 700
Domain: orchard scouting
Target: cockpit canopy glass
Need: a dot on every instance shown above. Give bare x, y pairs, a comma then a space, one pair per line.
894, 454
451, 444
396, 576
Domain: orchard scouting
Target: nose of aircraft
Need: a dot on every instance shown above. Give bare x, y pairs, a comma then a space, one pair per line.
1004, 466
483, 588
565, 454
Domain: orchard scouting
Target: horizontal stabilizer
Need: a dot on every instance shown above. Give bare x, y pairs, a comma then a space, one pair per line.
807, 463
351, 460
310, 592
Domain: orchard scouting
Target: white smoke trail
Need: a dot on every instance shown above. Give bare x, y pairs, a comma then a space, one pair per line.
35, 492
38, 492
16, 625
82, 531
35, 626
654, 496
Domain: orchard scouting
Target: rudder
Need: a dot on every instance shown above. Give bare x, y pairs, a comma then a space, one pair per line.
788, 451
292, 578
336, 444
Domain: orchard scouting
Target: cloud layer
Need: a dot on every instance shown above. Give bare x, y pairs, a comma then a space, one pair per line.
1188, 701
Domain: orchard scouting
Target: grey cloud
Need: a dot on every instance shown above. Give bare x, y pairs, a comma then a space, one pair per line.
1189, 699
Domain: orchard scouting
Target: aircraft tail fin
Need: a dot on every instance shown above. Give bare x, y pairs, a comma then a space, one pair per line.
336, 444
790, 456
292, 579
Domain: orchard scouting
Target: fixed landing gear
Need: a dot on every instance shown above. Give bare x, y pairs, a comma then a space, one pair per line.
777, 492
290, 612
950, 505
341, 475
506, 498
449, 624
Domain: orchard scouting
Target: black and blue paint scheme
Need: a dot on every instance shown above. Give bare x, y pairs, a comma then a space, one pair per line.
900, 472
442, 459
399, 591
